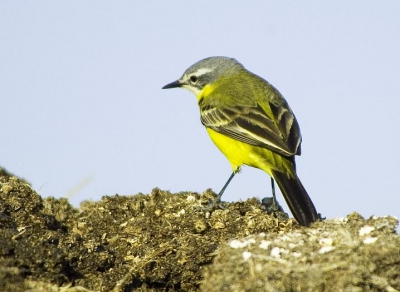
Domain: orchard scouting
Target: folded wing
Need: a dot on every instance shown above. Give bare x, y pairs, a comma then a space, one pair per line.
276, 130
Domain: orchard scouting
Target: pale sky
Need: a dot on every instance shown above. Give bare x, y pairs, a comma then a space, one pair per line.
83, 113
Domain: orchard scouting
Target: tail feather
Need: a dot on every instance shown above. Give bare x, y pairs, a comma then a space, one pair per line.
296, 197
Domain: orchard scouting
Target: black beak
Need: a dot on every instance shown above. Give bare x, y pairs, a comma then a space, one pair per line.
173, 85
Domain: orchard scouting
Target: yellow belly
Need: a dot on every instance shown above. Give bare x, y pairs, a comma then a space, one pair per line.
239, 153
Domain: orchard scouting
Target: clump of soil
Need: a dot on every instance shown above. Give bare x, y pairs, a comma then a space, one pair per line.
166, 242
345, 254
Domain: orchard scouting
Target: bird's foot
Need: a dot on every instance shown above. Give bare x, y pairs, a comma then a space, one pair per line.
212, 205
272, 207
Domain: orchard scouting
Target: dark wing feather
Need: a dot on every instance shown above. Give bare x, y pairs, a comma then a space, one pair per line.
251, 124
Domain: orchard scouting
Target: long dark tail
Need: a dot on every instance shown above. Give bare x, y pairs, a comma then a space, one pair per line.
296, 197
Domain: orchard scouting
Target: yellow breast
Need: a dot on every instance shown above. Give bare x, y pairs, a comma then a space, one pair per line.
239, 153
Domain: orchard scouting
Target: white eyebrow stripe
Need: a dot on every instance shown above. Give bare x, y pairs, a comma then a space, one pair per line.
202, 71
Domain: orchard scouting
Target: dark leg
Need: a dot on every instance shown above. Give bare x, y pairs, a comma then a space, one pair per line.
271, 204
225, 186
274, 202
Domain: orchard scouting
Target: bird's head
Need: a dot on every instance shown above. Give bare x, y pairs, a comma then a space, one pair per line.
205, 72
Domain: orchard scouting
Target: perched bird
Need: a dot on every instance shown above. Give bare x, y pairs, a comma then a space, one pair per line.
251, 123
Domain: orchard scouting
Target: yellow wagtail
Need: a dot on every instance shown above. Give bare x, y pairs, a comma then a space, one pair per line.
252, 124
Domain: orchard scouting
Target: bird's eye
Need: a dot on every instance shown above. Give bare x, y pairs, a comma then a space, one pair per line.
193, 79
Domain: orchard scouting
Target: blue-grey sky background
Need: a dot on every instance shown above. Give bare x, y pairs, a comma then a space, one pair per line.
83, 113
